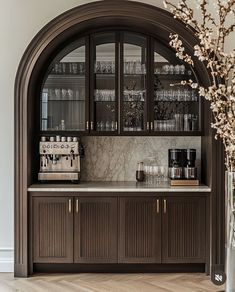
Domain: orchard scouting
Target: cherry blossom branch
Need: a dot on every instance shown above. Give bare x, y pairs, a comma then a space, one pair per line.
211, 50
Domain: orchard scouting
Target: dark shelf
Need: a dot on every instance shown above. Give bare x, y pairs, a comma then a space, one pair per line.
178, 101
115, 133
63, 100
104, 101
135, 74
66, 76
134, 100
174, 77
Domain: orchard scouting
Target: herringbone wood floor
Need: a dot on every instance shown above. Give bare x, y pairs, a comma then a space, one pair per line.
109, 283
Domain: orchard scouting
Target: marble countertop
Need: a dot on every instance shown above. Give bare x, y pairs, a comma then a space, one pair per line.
115, 187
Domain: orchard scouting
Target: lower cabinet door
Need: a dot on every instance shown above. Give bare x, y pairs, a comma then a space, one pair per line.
52, 230
95, 230
140, 230
183, 230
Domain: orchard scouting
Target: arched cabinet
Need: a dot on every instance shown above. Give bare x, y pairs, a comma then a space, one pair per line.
119, 82
106, 69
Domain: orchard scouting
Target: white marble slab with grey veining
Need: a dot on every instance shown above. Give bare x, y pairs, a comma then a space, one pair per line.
115, 158
115, 187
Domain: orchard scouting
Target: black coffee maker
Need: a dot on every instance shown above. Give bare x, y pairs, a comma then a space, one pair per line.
189, 169
181, 163
175, 167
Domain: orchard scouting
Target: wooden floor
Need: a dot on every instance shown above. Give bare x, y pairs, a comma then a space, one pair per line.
108, 283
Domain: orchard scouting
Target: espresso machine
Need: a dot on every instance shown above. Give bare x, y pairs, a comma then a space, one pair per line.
59, 159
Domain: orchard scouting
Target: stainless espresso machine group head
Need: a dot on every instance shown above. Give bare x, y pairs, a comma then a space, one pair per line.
59, 159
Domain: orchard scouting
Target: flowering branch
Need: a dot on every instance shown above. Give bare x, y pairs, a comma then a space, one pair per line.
212, 35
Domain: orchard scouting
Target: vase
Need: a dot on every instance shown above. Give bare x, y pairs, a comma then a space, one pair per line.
230, 230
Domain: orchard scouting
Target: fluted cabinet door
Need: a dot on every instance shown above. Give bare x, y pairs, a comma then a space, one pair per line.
53, 230
140, 230
95, 230
183, 230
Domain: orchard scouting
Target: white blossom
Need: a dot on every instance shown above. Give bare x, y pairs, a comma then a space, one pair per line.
212, 35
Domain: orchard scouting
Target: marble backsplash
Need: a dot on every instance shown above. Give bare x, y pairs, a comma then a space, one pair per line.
115, 158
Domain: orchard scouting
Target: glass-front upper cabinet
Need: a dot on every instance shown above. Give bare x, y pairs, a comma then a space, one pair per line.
104, 100
176, 106
63, 95
133, 83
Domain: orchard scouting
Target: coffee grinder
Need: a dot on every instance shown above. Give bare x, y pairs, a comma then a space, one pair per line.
189, 169
175, 168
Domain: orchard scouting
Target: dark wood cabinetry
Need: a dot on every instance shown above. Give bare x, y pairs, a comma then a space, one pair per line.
119, 229
33, 110
140, 230
52, 230
183, 230
95, 230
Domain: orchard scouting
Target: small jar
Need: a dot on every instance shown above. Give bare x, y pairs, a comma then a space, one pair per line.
140, 172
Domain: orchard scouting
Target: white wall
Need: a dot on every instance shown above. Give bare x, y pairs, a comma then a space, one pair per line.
20, 20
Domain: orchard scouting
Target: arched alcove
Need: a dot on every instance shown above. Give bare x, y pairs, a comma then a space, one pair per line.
77, 22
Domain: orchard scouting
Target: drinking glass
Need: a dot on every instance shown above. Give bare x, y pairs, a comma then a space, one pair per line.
156, 174
107, 126
113, 126
102, 126
70, 94
182, 69
64, 93
74, 68
97, 126
57, 93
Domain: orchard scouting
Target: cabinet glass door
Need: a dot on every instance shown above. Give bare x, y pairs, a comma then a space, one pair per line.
63, 96
176, 106
103, 88
133, 83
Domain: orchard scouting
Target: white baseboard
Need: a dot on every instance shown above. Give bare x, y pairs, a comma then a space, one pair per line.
6, 260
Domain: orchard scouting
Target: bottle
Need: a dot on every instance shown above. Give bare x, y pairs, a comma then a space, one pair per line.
140, 172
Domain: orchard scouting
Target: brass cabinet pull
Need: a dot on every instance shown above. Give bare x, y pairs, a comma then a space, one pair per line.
151, 125
147, 126
92, 126
77, 205
87, 125
70, 205
116, 126
158, 207
164, 206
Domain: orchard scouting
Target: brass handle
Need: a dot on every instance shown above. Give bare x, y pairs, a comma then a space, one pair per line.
92, 125
116, 126
158, 207
151, 125
164, 206
70, 205
147, 126
77, 206
87, 125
